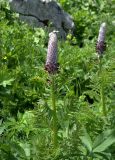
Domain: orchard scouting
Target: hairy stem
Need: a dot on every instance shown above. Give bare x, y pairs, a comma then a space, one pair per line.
102, 96
55, 141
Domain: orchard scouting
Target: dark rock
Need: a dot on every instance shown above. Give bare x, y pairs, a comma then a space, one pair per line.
41, 13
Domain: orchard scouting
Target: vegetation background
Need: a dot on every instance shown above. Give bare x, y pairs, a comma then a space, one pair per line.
84, 133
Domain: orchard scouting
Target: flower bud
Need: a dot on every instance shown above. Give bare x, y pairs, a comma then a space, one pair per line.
101, 45
51, 61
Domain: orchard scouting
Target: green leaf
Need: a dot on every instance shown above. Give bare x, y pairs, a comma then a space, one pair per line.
103, 155
6, 82
5, 148
86, 140
2, 128
104, 140
18, 149
26, 147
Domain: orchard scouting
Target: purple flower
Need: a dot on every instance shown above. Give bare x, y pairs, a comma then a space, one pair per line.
101, 45
51, 61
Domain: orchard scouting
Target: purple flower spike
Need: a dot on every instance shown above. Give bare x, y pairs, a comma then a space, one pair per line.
101, 45
51, 62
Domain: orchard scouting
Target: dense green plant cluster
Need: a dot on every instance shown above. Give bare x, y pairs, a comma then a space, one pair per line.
84, 133
87, 15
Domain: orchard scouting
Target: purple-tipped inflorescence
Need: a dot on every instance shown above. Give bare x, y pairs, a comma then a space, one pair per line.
51, 62
101, 45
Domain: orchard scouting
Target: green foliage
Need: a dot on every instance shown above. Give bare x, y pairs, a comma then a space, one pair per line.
100, 144
25, 88
87, 16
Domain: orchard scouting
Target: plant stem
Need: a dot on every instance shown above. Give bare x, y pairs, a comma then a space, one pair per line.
102, 96
55, 141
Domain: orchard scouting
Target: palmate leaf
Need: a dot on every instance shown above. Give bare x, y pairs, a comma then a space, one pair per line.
101, 143
104, 140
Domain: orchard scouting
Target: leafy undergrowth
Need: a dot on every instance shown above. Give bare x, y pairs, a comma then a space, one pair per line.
84, 133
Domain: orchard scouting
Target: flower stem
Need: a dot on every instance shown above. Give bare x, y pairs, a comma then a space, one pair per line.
102, 96
55, 141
